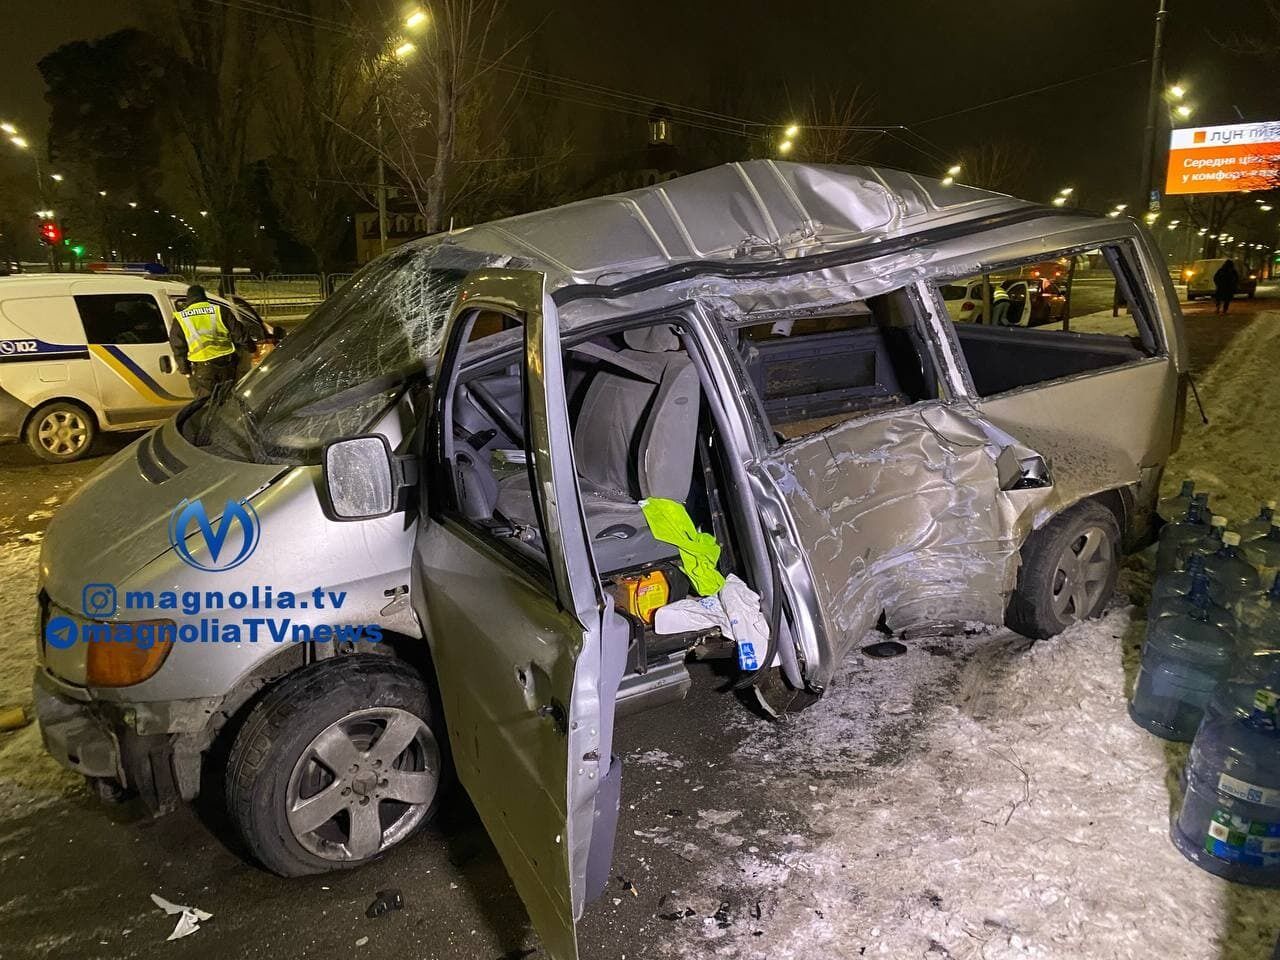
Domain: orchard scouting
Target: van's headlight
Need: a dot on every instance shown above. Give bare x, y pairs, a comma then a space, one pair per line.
122, 653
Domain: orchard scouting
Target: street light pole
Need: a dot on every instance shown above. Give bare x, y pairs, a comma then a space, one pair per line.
1153, 105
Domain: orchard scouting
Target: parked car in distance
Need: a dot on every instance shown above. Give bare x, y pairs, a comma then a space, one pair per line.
465, 439
1199, 279
1034, 301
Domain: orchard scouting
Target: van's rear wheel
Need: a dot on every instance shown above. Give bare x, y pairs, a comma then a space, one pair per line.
336, 765
61, 432
1069, 571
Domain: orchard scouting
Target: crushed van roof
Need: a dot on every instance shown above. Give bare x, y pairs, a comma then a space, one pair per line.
755, 210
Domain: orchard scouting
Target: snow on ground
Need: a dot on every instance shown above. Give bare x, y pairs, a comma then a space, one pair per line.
28, 775
1238, 455
1007, 808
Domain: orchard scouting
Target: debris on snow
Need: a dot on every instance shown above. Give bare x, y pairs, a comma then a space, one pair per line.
384, 902
189, 918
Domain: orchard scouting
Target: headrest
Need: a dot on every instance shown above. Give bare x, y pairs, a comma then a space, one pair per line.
659, 339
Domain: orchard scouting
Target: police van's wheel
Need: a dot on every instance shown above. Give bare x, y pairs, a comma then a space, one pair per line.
336, 765
61, 432
1068, 573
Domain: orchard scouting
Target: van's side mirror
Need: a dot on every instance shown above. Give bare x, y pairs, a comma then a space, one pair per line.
364, 479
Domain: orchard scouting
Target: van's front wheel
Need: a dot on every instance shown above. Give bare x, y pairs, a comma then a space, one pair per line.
335, 766
60, 432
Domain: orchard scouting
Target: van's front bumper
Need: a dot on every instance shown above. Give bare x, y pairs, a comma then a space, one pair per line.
151, 749
74, 731
13, 414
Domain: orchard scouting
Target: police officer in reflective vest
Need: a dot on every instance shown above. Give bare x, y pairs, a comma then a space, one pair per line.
999, 305
204, 338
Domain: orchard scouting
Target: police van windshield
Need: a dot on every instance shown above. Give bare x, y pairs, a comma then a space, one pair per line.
342, 368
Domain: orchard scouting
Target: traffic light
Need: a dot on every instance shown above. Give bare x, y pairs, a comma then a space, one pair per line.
50, 233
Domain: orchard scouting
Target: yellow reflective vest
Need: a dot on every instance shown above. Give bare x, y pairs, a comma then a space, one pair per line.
207, 336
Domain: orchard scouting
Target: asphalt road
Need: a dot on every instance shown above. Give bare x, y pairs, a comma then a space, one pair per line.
75, 875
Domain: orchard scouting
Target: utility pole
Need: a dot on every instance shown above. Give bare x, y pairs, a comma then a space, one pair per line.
1153, 110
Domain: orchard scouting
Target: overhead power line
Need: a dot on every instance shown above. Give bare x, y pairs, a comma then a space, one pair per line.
1032, 92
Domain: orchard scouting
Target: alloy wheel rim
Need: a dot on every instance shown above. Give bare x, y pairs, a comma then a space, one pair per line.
1081, 574
363, 784
62, 432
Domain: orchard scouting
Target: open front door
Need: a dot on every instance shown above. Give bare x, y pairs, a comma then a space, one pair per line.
513, 612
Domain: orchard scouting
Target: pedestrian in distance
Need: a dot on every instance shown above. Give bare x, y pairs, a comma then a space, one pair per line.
204, 338
1225, 283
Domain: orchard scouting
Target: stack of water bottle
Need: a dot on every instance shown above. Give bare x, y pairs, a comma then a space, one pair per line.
1210, 676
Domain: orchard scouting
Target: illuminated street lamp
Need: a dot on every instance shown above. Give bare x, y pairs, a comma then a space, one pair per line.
102, 193
791, 132
19, 142
403, 51
785, 146
416, 19
1183, 110
953, 170
56, 177
8, 129
1177, 91
133, 204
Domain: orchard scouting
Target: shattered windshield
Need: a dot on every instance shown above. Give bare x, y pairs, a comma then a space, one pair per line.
345, 366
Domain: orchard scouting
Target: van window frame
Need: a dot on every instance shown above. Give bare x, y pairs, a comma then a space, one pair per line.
1124, 262
926, 338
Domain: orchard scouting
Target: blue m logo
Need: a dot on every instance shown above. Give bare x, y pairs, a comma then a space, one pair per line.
225, 549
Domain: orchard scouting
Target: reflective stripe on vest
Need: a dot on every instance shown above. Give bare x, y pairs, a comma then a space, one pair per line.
207, 337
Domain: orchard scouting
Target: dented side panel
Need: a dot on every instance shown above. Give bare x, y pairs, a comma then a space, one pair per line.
901, 513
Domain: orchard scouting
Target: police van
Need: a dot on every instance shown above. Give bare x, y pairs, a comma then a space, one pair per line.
80, 354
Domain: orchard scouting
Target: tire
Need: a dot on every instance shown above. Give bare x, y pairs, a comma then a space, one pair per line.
311, 747
61, 431
1055, 588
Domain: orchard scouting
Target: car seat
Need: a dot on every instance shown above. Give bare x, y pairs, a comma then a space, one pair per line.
635, 437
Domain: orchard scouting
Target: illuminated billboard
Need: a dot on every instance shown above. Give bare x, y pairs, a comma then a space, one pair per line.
1241, 156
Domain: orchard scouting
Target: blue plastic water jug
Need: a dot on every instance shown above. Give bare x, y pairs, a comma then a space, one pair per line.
1259, 618
1185, 657
1264, 552
1174, 536
1232, 578
1257, 526
1183, 605
1172, 508
1178, 583
1229, 823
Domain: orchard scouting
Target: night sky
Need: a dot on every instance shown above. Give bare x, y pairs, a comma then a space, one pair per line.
915, 59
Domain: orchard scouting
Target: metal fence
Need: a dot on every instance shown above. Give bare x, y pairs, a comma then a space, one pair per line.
277, 296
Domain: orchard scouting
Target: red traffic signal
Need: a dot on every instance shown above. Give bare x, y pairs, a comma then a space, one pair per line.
50, 232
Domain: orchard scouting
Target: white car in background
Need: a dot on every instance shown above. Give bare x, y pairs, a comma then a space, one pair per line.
1199, 279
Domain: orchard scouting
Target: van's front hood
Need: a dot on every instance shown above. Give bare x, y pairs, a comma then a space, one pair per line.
118, 521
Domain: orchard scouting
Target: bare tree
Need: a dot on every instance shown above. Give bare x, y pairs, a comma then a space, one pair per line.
998, 165
214, 77
443, 112
834, 127
321, 97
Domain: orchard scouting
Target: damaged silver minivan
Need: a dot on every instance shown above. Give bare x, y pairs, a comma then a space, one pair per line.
778, 347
